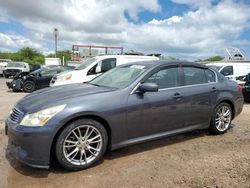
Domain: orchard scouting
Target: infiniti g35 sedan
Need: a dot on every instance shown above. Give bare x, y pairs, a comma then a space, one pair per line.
129, 104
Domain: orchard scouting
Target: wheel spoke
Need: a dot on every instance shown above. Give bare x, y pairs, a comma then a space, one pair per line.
97, 141
69, 146
81, 155
86, 133
79, 131
90, 134
90, 147
91, 152
227, 113
77, 137
71, 142
85, 157
71, 153
74, 155
92, 139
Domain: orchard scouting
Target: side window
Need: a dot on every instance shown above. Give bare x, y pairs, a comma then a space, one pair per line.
165, 78
194, 75
108, 64
210, 76
228, 70
49, 72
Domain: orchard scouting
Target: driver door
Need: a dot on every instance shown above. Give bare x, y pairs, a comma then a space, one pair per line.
45, 76
157, 112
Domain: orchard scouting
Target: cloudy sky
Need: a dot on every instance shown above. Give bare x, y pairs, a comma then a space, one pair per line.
189, 29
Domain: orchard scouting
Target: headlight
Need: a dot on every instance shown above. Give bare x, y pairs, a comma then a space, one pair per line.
41, 117
64, 78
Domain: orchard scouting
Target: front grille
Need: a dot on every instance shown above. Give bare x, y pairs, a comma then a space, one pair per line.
16, 115
13, 71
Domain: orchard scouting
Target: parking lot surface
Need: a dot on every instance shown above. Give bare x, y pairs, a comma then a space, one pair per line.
195, 159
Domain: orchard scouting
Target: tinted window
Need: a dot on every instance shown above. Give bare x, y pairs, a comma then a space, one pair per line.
108, 64
194, 75
228, 70
165, 78
210, 75
49, 72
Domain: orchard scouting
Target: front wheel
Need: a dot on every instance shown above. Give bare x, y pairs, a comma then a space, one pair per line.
81, 144
221, 119
29, 86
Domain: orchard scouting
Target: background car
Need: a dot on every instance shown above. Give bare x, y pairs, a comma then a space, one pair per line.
129, 104
37, 79
246, 88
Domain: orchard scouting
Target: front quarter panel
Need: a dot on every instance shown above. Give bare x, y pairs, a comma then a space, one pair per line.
109, 106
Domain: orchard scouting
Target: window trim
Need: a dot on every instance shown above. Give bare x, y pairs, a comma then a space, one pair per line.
161, 68
216, 78
133, 91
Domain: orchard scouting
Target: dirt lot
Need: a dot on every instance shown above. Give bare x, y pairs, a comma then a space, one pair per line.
195, 159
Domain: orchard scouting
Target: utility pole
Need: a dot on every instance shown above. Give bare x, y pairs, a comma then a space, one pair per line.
56, 35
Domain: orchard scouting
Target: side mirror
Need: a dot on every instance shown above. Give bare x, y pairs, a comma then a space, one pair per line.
98, 69
148, 87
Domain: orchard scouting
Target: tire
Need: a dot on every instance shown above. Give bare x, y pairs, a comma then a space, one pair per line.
6, 76
77, 155
221, 123
29, 86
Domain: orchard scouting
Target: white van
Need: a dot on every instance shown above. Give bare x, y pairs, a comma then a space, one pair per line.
94, 66
13, 68
3, 65
231, 70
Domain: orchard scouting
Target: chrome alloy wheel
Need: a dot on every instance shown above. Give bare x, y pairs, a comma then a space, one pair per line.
223, 118
82, 145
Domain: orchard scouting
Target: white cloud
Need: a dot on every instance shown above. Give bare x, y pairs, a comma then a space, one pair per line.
16, 41
200, 32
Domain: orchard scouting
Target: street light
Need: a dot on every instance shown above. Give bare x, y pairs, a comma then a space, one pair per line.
56, 35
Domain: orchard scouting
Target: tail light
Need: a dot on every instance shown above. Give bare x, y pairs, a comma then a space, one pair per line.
240, 88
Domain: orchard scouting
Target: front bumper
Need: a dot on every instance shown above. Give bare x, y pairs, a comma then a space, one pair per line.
30, 145
15, 85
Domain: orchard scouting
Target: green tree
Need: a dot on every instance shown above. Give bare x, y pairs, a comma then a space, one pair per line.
60, 54
27, 54
214, 58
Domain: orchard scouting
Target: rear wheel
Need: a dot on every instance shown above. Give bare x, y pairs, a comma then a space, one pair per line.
81, 144
221, 119
29, 86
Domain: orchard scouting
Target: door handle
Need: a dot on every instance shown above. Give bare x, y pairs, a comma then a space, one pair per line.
177, 96
213, 89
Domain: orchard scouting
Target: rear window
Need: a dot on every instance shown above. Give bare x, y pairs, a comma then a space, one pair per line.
194, 75
210, 76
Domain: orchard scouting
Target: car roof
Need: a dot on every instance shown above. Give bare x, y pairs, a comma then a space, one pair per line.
168, 62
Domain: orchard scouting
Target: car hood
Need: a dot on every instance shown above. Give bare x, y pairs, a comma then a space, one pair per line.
57, 95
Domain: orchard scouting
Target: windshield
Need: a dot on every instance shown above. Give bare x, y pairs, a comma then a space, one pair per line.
38, 70
85, 64
15, 65
215, 67
119, 77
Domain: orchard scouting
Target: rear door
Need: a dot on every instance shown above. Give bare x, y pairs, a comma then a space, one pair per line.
156, 112
201, 88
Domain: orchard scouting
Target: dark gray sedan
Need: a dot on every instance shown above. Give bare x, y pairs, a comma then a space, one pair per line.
129, 104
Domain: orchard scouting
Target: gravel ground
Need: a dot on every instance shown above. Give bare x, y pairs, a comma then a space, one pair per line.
195, 159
